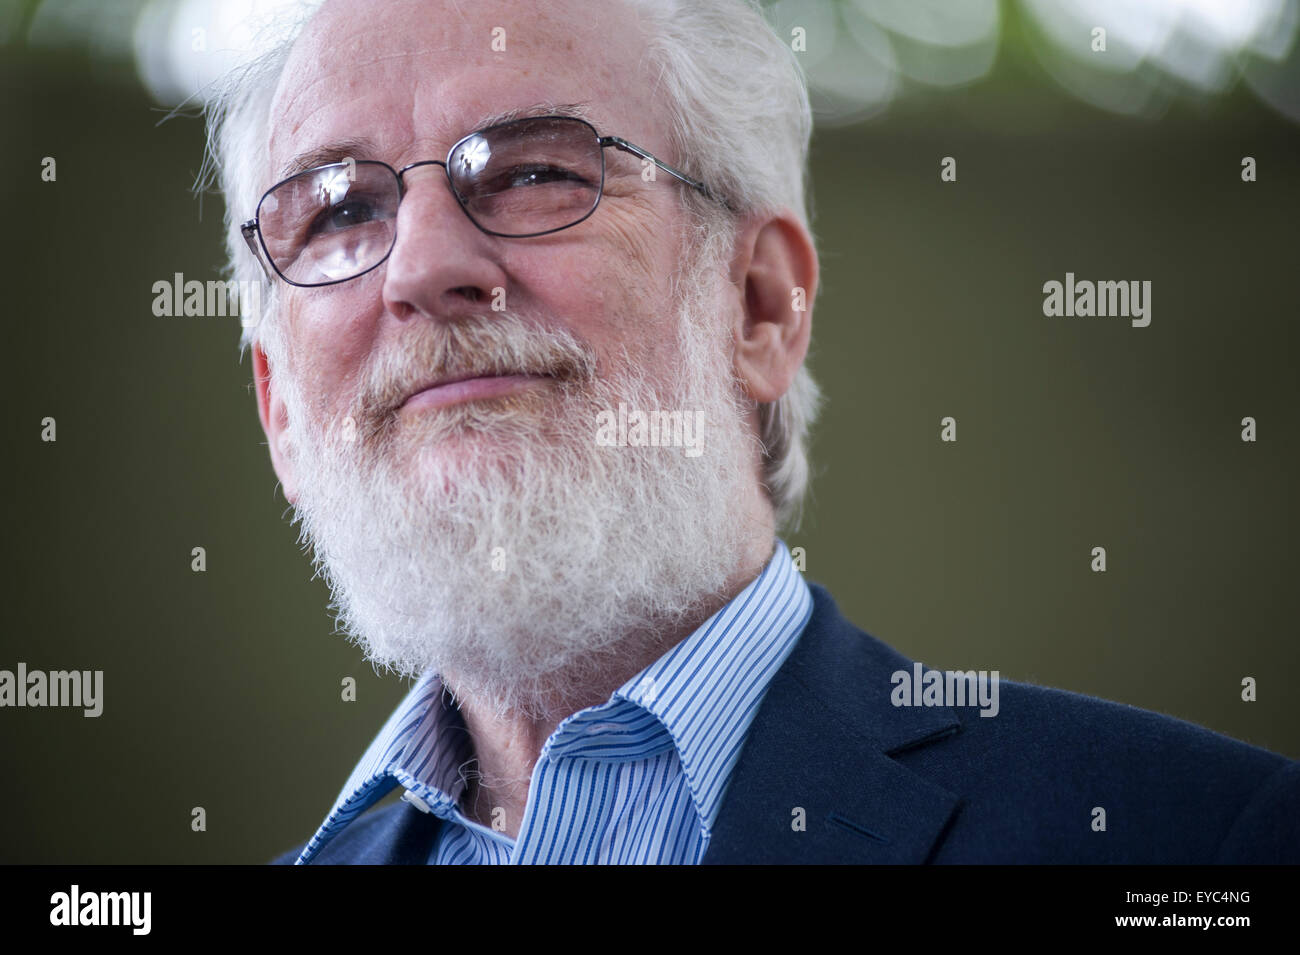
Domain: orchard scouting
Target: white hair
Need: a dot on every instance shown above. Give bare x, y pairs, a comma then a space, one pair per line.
740, 122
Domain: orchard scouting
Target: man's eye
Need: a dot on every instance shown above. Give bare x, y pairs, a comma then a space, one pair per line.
345, 215
536, 175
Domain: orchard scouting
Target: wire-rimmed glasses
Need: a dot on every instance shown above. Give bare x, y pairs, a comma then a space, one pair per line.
518, 179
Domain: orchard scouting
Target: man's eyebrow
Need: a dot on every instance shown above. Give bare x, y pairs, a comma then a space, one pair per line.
342, 149
576, 110
336, 151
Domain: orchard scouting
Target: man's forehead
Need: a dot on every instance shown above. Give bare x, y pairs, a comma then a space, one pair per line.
445, 68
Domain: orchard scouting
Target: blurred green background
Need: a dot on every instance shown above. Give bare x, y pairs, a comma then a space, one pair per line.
222, 689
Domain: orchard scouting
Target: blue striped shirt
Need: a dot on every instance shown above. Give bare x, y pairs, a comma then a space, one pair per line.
638, 779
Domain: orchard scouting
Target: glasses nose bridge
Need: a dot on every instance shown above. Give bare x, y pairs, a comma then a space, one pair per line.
401, 173
402, 190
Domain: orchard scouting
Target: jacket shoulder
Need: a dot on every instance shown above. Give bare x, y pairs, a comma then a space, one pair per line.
1051, 775
1093, 780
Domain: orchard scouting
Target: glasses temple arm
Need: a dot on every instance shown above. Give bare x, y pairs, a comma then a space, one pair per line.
627, 147
249, 232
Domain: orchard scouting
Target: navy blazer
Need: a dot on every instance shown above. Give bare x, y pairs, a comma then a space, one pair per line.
883, 783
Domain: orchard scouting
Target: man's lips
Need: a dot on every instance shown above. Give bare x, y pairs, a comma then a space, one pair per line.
473, 388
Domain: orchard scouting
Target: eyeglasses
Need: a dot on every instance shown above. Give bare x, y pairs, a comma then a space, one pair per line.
517, 179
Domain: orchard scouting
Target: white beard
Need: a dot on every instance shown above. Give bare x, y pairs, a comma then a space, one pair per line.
496, 542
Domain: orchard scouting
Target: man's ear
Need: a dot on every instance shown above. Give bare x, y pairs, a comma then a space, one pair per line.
774, 271
275, 422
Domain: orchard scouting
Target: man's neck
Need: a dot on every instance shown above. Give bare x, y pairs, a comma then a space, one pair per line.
507, 747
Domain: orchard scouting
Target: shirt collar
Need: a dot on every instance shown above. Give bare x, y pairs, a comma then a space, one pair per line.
422, 747
700, 697
704, 692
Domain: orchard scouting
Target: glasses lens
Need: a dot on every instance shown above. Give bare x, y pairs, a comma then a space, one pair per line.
331, 223
529, 176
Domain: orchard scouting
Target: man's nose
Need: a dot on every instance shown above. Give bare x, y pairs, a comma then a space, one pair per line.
442, 266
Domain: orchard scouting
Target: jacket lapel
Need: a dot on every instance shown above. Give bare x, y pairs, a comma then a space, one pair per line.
816, 781
407, 838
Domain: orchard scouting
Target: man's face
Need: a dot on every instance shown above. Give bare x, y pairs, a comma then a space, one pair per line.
490, 534
413, 78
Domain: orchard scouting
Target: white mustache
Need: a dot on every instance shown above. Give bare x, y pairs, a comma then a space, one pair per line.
503, 344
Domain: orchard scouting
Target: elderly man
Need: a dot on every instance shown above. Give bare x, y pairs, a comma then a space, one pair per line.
531, 372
